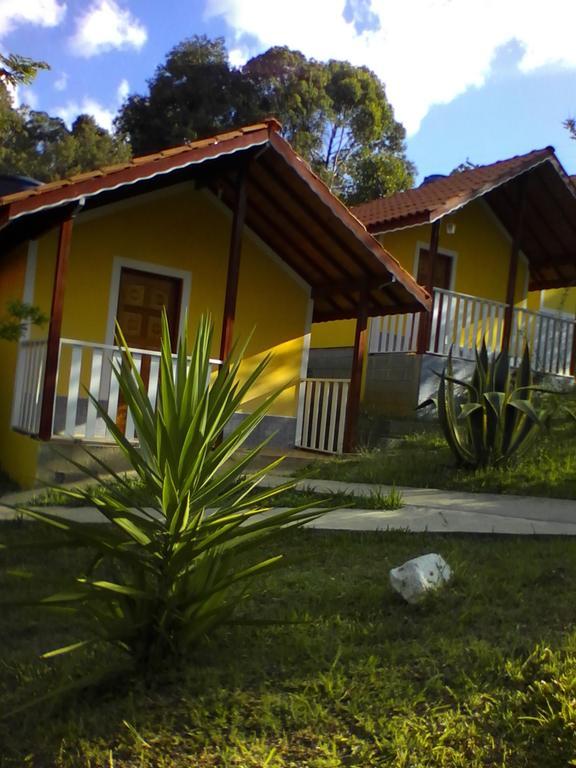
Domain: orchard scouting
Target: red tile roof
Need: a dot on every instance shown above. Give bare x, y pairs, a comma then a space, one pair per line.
434, 199
108, 177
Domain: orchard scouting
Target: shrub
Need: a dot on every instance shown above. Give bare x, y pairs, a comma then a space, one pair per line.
168, 572
491, 418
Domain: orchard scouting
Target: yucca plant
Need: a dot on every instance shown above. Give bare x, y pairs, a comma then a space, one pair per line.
492, 417
169, 570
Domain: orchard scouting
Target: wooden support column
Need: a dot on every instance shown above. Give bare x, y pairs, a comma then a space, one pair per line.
513, 270
358, 358
573, 354
426, 317
234, 254
55, 329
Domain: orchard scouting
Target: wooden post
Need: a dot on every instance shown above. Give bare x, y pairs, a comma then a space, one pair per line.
55, 329
234, 254
426, 317
573, 355
513, 271
355, 391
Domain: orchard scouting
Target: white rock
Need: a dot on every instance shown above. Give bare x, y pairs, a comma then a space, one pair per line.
416, 577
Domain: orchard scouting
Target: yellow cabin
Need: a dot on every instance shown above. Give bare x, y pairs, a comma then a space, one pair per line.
495, 246
237, 226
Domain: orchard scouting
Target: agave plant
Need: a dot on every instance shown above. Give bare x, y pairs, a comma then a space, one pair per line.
171, 568
491, 418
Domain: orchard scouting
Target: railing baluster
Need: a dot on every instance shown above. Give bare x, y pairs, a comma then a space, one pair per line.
315, 414
334, 393
129, 431
342, 420
95, 379
325, 398
73, 390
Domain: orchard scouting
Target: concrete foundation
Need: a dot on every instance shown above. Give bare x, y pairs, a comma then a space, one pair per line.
54, 458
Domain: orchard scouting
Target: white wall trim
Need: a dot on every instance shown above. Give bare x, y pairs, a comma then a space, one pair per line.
260, 243
421, 245
144, 266
30, 278
304, 370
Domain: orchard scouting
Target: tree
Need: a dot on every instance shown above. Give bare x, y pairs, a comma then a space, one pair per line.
335, 115
194, 93
19, 316
36, 144
570, 125
19, 70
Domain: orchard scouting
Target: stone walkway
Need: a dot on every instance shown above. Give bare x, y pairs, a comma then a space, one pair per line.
424, 510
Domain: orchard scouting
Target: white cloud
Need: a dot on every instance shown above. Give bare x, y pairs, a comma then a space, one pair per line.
26, 97
123, 90
105, 26
103, 114
61, 83
88, 106
44, 13
426, 51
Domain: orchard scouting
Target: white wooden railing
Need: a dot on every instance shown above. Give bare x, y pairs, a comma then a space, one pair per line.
82, 366
550, 339
322, 414
85, 365
460, 322
28, 384
394, 333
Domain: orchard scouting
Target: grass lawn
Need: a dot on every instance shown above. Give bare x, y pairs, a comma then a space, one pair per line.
483, 674
290, 498
424, 460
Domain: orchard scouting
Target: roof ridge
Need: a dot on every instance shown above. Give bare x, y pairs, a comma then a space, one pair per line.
446, 177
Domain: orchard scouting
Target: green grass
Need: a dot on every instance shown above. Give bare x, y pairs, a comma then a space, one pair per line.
481, 675
424, 460
377, 499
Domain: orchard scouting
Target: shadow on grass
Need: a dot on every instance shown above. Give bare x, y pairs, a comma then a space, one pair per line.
361, 679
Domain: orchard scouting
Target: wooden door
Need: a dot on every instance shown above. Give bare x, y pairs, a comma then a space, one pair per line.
141, 298
442, 277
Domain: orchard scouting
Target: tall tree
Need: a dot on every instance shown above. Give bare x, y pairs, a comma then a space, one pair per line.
194, 93
335, 115
36, 144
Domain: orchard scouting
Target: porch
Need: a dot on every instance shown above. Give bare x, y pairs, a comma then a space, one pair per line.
460, 322
69, 414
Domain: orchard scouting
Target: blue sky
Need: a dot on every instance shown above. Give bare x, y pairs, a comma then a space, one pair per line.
477, 79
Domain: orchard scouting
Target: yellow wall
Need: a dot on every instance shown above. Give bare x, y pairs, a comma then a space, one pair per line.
481, 266
559, 300
185, 230
17, 453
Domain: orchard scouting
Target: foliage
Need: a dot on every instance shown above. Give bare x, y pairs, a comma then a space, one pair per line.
35, 144
168, 572
497, 419
19, 70
570, 125
19, 316
377, 498
335, 115
481, 676
467, 165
